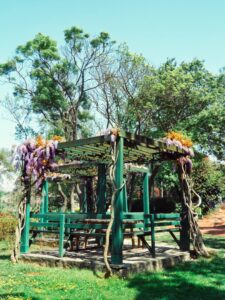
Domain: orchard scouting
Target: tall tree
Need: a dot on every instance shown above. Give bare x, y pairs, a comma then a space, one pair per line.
186, 97
117, 99
55, 84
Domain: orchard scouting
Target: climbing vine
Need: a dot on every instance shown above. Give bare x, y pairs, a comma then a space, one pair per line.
184, 168
188, 193
35, 157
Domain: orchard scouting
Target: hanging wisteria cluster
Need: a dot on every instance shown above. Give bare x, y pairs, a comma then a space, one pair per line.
179, 140
36, 157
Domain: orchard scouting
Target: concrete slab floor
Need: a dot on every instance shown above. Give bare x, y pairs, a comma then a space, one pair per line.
135, 260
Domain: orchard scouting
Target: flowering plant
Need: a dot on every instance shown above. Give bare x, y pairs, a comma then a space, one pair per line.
179, 140
36, 157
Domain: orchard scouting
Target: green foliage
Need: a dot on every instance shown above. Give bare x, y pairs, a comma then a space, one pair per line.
178, 95
202, 279
116, 100
5, 157
8, 224
56, 85
209, 182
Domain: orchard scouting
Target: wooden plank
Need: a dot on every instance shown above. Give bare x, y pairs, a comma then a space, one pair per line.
86, 226
134, 215
54, 215
137, 169
45, 224
75, 216
165, 216
158, 224
81, 216
89, 141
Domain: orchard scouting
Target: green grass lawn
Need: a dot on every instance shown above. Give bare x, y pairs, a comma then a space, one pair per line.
199, 279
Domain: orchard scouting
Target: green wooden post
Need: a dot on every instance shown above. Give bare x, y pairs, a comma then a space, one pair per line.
45, 187
101, 190
44, 201
152, 219
67, 229
83, 207
42, 207
24, 247
146, 199
61, 234
117, 230
125, 206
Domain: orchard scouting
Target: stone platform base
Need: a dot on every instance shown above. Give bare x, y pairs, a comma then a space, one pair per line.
135, 260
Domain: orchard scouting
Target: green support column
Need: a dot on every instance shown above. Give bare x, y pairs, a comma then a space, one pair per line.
152, 219
101, 190
125, 206
24, 247
117, 230
42, 207
146, 199
44, 201
45, 188
61, 234
84, 206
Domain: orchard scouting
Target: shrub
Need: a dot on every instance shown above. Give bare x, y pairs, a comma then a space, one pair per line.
8, 224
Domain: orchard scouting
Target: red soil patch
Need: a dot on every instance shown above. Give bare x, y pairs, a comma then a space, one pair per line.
214, 223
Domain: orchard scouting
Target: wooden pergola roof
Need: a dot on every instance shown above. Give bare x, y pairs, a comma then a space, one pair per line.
137, 149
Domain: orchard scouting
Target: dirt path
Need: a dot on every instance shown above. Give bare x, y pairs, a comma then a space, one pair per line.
214, 223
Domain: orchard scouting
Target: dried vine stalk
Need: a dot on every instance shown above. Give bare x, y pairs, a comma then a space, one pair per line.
20, 225
187, 191
21, 218
109, 228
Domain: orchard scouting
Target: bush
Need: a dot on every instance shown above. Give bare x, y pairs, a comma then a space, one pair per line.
209, 182
8, 224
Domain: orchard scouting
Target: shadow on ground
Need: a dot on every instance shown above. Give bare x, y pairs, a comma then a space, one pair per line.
202, 279
4, 257
215, 243
16, 296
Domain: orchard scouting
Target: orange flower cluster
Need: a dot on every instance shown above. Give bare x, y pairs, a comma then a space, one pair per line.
57, 138
178, 136
40, 142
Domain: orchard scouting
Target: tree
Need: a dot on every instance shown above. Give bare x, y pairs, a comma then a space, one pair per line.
209, 124
6, 172
209, 182
56, 85
117, 99
188, 98
5, 162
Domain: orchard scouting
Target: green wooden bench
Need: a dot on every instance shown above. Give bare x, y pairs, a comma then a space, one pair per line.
76, 225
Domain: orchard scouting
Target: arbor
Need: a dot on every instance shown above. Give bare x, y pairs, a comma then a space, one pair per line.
55, 85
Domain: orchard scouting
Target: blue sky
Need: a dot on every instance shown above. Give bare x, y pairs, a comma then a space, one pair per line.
157, 29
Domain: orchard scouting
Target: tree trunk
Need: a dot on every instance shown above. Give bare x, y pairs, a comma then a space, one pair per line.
72, 198
64, 197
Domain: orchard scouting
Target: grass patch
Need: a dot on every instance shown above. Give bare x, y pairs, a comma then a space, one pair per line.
200, 279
